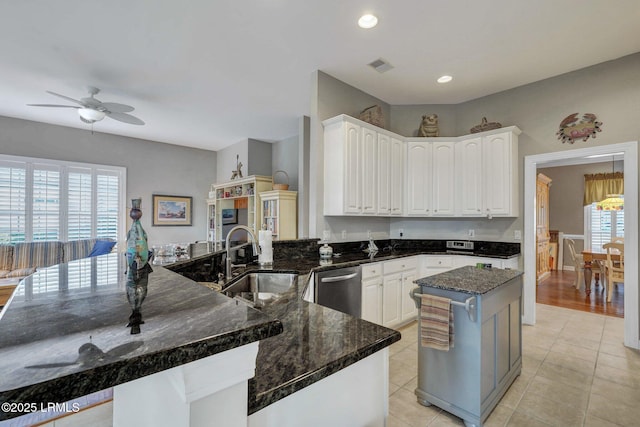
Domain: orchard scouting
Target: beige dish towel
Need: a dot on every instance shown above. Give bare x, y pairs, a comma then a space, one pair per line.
436, 322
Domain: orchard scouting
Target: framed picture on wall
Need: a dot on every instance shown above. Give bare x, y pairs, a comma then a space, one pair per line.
171, 210
229, 216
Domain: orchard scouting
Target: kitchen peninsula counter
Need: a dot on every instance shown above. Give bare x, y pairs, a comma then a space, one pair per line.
65, 332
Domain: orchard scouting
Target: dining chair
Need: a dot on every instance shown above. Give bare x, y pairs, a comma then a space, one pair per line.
578, 262
614, 268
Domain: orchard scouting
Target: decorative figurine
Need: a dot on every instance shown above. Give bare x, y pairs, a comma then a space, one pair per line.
137, 246
485, 125
429, 126
137, 282
571, 129
238, 172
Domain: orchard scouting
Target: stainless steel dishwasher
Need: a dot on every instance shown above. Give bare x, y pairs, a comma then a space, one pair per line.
340, 289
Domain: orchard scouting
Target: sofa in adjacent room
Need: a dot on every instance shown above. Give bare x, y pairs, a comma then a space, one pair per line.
19, 260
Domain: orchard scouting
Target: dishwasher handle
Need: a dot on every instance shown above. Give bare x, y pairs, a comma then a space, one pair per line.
338, 278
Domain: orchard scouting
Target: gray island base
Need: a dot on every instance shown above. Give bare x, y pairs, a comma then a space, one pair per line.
470, 379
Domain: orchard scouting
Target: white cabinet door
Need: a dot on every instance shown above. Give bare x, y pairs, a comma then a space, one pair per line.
443, 175
391, 304
372, 300
384, 174
500, 175
397, 175
352, 168
369, 168
409, 309
469, 177
419, 175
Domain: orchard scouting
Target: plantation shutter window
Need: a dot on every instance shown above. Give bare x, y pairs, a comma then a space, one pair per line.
45, 200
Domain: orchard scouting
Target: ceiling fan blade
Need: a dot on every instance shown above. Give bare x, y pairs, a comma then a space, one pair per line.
65, 97
52, 105
114, 107
126, 118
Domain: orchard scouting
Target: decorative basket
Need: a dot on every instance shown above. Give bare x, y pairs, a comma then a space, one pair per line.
373, 115
280, 186
485, 126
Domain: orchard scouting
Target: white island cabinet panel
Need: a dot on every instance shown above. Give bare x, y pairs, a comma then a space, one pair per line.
354, 396
213, 389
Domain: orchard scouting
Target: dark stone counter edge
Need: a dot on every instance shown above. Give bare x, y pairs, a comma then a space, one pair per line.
258, 402
76, 385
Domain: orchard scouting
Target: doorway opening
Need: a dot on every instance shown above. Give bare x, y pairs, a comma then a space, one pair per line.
629, 152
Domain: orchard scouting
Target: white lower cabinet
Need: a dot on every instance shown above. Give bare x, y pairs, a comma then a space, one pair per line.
385, 291
372, 293
391, 303
386, 286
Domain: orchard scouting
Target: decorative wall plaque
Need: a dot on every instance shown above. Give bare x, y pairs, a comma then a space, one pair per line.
572, 128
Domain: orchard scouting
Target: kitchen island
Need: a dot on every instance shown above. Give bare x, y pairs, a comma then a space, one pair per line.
77, 328
470, 378
64, 334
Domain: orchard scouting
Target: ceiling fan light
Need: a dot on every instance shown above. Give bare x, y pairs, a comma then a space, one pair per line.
91, 114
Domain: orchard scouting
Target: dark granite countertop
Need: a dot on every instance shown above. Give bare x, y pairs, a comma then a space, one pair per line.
470, 280
316, 342
65, 332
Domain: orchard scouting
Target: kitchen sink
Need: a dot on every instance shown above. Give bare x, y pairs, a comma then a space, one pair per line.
260, 288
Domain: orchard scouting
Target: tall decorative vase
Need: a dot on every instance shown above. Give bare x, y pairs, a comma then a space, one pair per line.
137, 247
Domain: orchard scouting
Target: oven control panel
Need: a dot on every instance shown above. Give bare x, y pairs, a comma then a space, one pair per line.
460, 244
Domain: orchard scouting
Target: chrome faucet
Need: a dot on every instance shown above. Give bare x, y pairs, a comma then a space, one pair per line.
254, 242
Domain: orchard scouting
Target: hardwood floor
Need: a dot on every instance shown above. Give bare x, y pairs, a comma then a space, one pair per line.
558, 290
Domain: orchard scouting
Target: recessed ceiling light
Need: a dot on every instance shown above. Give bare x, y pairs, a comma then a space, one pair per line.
367, 21
445, 79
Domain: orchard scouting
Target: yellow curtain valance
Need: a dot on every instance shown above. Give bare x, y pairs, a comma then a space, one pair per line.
598, 186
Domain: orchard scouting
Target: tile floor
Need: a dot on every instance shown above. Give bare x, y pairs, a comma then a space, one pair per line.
575, 372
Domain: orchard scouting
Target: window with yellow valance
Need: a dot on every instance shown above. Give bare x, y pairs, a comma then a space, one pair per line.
599, 186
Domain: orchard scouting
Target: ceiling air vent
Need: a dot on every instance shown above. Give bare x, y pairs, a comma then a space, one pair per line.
380, 65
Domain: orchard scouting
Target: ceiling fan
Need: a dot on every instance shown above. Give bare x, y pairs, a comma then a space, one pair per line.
92, 110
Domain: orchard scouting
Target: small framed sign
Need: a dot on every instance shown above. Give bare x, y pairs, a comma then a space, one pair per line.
171, 210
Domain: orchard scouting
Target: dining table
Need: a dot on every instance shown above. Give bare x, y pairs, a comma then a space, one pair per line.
589, 256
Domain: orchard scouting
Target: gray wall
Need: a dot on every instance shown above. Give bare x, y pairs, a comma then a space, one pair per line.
610, 90
152, 167
284, 157
259, 158
226, 161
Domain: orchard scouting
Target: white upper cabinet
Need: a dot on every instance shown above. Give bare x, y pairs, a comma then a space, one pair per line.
500, 174
443, 173
391, 158
469, 174
430, 178
371, 171
397, 176
419, 178
384, 174
363, 169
